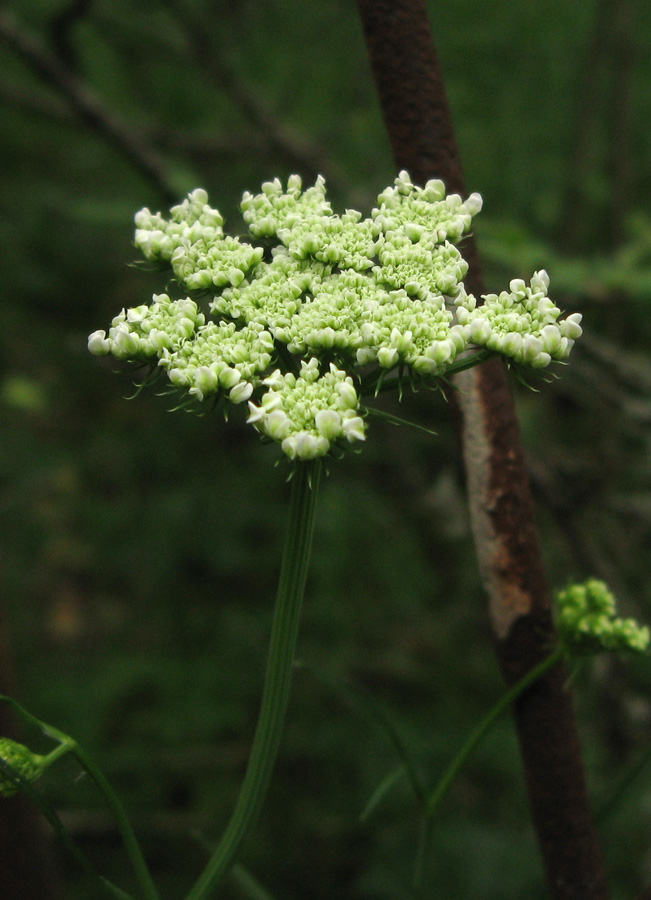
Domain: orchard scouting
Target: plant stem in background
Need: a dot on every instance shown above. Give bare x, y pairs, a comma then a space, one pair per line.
26, 860
67, 744
298, 543
445, 782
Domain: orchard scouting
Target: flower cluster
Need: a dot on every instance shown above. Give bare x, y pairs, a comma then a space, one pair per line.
587, 621
308, 412
522, 323
292, 316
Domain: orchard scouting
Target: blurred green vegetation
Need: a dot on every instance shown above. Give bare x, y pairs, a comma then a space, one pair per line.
140, 548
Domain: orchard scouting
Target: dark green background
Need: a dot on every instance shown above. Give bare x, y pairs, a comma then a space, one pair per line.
140, 548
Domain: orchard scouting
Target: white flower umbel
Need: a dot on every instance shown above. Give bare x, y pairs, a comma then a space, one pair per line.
342, 300
522, 323
220, 358
309, 412
425, 211
273, 293
275, 210
157, 238
144, 331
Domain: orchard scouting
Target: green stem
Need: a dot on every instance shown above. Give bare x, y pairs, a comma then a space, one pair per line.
377, 381
125, 830
69, 745
445, 783
291, 587
48, 811
485, 725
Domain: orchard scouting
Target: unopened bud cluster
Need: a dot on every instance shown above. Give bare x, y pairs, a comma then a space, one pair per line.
27, 765
587, 621
288, 319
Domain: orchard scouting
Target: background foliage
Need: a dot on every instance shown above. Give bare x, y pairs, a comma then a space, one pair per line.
140, 548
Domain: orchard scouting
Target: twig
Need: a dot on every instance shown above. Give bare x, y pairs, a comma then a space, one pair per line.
61, 27
210, 148
416, 112
86, 105
298, 150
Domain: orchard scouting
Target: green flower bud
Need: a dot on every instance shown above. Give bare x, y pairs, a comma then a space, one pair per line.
178, 377
441, 352
387, 357
479, 331
551, 339
229, 377
28, 765
511, 344
328, 423
347, 395
241, 392
474, 204
354, 428
98, 344
277, 424
531, 348
540, 282
571, 326
206, 381
127, 343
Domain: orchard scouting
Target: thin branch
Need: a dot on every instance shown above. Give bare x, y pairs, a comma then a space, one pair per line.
196, 147
61, 27
620, 113
86, 104
33, 103
298, 150
418, 119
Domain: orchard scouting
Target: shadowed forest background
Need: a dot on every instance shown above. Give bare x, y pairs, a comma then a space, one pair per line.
140, 548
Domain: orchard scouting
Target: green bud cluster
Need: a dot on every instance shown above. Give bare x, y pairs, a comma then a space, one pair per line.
28, 765
313, 298
587, 621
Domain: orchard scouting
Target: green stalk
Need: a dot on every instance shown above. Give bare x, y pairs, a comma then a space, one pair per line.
376, 382
125, 830
291, 587
445, 783
69, 745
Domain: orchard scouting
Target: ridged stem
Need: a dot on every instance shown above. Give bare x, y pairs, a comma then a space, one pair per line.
291, 587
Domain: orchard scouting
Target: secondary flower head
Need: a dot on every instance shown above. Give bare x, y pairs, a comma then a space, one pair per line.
521, 323
315, 306
588, 623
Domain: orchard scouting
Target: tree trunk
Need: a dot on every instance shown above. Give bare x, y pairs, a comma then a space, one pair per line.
417, 116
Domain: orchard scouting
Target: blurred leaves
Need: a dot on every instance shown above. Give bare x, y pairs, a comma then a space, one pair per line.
140, 547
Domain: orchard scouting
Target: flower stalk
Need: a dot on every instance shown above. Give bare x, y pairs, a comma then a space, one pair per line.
291, 588
446, 781
66, 744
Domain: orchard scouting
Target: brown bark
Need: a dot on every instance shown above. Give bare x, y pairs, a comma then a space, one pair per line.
418, 119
